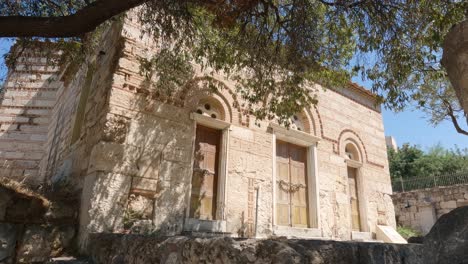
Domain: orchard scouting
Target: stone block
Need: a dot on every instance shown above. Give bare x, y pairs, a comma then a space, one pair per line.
112, 157
462, 203
361, 236
144, 184
175, 173
389, 234
103, 203
448, 205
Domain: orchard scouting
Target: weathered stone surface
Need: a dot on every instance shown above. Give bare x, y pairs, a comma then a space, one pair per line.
7, 242
420, 209
39, 243
447, 242
141, 205
113, 248
115, 129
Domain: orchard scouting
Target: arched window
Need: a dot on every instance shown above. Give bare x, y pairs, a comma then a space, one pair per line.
352, 152
297, 123
210, 107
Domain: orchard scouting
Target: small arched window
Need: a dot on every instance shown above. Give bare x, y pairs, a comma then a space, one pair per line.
297, 123
210, 108
352, 152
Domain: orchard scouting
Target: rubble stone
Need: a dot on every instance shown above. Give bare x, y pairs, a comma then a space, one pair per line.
139, 249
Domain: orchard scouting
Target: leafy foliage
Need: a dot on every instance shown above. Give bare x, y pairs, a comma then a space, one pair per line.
411, 161
276, 48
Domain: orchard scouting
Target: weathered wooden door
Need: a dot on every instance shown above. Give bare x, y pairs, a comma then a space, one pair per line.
205, 173
354, 199
291, 185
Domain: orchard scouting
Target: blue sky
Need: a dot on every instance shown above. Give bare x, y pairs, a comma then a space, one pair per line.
412, 126
409, 126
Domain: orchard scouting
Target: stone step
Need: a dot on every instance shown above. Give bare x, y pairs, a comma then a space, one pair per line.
68, 260
206, 234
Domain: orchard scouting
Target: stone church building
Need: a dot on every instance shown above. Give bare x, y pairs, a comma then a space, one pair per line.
198, 164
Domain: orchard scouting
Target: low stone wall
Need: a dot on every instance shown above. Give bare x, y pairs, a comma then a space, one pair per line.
133, 249
419, 209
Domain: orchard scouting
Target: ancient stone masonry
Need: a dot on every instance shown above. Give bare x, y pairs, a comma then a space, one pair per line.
141, 164
420, 209
26, 104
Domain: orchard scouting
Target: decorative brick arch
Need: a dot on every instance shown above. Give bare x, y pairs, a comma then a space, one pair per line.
205, 87
349, 135
312, 129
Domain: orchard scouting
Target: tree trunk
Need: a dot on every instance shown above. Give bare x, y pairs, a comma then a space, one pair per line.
455, 61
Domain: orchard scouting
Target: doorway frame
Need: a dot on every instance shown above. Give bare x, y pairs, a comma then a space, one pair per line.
219, 223
310, 142
362, 201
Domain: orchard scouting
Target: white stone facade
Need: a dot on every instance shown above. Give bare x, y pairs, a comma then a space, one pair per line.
124, 149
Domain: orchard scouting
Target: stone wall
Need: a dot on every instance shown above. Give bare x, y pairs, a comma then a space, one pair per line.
26, 104
34, 228
79, 115
419, 209
339, 119
133, 249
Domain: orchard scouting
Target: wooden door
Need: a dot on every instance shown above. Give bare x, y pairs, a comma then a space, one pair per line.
205, 173
283, 198
291, 185
354, 199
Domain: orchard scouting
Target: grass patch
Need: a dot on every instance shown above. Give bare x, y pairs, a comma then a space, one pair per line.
407, 232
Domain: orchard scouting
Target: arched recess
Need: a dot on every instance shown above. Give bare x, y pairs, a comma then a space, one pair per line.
299, 122
214, 106
352, 148
351, 151
302, 121
313, 122
351, 139
204, 88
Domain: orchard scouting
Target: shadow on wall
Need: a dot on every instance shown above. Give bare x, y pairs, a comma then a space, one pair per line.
139, 173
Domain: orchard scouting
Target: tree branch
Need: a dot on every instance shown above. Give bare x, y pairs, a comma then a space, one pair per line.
452, 116
83, 21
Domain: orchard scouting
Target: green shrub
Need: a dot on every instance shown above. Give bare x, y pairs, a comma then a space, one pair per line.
407, 232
